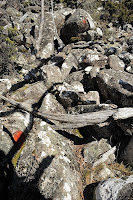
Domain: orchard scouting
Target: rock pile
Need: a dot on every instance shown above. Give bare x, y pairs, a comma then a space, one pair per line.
69, 103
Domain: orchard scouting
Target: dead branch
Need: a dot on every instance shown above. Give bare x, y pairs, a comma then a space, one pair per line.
41, 27
69, 120
123, 113
104, 157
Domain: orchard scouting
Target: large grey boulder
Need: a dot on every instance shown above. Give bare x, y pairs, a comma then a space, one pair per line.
115, 189
79, 22
47, 167
115, 63
29, 95
116, 86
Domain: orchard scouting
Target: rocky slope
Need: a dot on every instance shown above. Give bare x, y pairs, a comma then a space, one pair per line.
66, 104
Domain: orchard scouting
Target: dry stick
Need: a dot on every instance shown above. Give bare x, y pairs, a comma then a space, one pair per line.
104, 157
41, 27
73, 121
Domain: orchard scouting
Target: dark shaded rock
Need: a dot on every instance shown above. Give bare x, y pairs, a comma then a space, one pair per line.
68, 98
130, 49
110, 51
90, 106
79, 22
126, 57
126, 126
127, 153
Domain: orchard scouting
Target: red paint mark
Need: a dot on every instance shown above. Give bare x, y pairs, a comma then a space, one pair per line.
19, 138
84, 21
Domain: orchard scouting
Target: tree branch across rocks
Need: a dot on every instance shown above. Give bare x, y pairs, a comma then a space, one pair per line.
69, 121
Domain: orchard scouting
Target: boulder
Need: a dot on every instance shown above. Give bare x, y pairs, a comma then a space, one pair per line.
126, 57
127, 154
48, 71
115, 63
75, 76
79, 22
17, 121
47, 167
115, 189
46, 49
59, 19
93, 150
130, 69
68, 98
49, 103
116, 86
128, 28
92, 97
30, 95
94, 170
69, 65
77, 86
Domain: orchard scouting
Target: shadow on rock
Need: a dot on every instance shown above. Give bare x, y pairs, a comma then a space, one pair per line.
13, 187
89, 191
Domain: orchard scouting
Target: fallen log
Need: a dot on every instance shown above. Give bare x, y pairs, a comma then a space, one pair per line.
90, 118
123, 113
69, 121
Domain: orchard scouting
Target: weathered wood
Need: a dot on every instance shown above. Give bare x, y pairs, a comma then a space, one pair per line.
104, 157
69, 121
73, 120
123, 113
38, 42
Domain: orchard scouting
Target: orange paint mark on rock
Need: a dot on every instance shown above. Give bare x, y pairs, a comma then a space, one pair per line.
84, 21
19, 137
